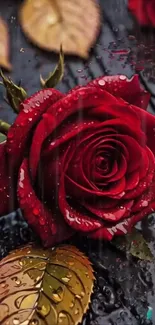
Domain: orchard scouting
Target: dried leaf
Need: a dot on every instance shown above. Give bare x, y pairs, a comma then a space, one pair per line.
45, 286
74, 24
135, 244
15, 94
55, 76
4, 46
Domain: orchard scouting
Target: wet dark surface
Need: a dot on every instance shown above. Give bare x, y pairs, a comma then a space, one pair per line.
124, 287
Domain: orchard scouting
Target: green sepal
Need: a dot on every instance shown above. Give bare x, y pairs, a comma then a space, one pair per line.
56, 76
14, 94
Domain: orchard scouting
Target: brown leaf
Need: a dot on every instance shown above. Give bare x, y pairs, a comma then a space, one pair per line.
72, 23
4, 46
49, 287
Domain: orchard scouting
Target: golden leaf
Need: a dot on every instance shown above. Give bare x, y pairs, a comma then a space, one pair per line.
49, 287
72, 23
15, 94
56, 76
4, 46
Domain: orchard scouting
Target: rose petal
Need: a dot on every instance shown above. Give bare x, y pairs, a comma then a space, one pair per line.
144, 200
107, 232
148, 125
7, 193
84, 98
112, 214
132, 180
49, 226
150, 7
139, 9
30, 112
120, 86
146, 181
78, 221
78, 190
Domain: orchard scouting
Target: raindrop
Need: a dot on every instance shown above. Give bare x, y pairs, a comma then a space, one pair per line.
57, 295
66, 280
101, 82
42, 221
4, 285
44, 310
16, 321
144, 203
71, 305
122, 77
18, 282
37, 104
35, 211
34, 322
77, 311
61, 317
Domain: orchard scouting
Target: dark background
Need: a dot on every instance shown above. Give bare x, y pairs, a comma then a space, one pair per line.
125, 287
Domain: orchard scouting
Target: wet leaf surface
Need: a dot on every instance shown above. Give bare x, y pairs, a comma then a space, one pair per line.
124, 288
45, 286
134, 244
74, 24
4, 46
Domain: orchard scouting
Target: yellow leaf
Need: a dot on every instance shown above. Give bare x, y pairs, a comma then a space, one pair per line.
4, 46
50, 23
49, 287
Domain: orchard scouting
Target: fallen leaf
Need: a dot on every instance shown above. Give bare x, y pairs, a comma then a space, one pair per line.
134, 244
73, 23
49, 287
56, 76
4, 46
15, 94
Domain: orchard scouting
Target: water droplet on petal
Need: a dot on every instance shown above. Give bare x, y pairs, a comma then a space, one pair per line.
122, 77
101, 82
144, 203
42, 221
37, 104
35, 211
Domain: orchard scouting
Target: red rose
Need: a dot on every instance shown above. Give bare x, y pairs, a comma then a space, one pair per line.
144, 11
85, 160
